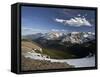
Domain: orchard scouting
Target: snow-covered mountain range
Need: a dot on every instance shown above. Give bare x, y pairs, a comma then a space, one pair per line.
72, 37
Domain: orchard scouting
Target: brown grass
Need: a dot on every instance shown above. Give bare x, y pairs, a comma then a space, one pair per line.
28, 46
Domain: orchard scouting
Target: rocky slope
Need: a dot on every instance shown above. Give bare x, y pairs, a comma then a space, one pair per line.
31, 64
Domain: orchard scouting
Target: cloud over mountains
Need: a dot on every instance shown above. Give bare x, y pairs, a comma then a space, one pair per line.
76, 21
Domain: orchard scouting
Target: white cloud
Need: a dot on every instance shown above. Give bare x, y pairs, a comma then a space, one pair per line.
78, 15
54, 30
59, 30
76, 21
26, 28
30, 30
59, 20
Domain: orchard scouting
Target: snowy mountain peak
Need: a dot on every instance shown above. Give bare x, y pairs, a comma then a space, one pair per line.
53, 35
79, 37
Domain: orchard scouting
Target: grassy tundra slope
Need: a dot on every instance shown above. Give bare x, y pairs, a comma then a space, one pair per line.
53, 53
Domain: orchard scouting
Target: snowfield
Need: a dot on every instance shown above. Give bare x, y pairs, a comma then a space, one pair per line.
82, 62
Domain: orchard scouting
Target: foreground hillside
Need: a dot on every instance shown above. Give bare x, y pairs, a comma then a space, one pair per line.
28, 46
34, 57
30, 64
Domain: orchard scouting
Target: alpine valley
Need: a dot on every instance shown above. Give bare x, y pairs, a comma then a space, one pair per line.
64, 45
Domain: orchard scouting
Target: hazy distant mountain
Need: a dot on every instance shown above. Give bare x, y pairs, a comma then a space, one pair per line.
32, 36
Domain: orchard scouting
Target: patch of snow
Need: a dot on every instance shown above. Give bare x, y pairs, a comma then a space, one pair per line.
85, 35
82, 62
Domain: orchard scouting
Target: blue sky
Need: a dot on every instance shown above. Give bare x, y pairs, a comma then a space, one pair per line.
42, 19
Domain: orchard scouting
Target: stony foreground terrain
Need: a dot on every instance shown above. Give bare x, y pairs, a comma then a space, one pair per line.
30, 64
